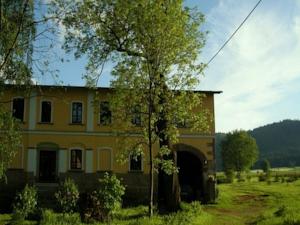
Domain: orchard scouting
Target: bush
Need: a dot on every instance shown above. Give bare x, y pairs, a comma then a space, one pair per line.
51, 218
229, 175
105, 200
25, 203
67, 196
188, 215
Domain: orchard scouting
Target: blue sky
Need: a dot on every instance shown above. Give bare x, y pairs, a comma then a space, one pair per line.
258, 71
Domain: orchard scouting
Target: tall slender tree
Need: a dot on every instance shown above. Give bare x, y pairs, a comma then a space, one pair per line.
156, 46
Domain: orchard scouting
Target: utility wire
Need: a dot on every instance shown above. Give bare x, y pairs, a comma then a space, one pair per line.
226, 42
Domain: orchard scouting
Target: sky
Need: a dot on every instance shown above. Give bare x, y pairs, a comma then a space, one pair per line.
258, 71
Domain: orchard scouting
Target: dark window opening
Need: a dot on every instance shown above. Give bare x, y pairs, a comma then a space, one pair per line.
46, 112
136, 116
105, 113
76, 159
136, 163
18, 108
76, 112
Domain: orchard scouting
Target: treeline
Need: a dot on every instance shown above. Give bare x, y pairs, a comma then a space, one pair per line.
278, 142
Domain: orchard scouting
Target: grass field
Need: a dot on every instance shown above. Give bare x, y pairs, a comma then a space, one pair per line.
252, 203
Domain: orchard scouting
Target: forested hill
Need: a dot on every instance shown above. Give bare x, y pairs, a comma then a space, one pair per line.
277, 142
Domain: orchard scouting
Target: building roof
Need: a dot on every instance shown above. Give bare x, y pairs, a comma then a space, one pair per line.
97, 88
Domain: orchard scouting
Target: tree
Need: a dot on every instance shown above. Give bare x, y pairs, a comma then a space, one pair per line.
16, 41
266, 166
239, 151
155, 46
10, 140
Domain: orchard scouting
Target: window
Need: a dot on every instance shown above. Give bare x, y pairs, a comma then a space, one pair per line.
105, 113
46, 112
76, 159
136, 163
18, 108
76, 112
136, 115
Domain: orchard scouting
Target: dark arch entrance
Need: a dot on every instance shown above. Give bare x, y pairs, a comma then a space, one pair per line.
192, 168
190, 176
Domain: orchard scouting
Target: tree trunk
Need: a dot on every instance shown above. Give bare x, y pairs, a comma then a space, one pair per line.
169, 196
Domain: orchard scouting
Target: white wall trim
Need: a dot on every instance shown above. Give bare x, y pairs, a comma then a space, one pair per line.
32, 160
32, 110
89, 161
104, 134
90, 112
62, 160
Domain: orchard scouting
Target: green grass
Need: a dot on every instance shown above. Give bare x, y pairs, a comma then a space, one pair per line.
257, 203
251, 203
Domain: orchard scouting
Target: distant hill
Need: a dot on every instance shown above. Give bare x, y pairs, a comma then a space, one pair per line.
278, 142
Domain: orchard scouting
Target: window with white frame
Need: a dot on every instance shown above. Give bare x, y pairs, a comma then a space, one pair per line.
76, 159
135, 163
46, 111
77, 112
18, 108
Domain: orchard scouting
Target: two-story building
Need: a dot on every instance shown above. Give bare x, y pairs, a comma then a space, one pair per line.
65, 134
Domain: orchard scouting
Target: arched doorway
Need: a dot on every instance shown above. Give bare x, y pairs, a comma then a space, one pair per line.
191, 163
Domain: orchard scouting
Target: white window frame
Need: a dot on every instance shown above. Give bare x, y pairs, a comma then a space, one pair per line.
82, 113
111, 157
24, 110
82, 159
52, 110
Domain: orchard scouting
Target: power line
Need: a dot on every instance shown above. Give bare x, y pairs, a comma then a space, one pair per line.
226, 42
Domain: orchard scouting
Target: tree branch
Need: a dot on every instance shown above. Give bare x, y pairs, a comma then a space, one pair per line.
16, 37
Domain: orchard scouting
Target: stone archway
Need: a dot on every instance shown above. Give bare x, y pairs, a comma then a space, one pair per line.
192, 165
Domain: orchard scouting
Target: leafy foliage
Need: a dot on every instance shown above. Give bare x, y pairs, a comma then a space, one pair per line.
229, 173
106, 199
67, 196
239, 151
10, 140
16, 40
25, 203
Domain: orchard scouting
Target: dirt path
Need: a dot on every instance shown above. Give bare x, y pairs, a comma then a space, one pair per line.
245, 209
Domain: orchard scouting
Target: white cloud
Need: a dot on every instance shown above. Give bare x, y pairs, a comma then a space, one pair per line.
257, 68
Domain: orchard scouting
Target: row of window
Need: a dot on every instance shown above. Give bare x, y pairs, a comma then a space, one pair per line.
18, 108
76, 161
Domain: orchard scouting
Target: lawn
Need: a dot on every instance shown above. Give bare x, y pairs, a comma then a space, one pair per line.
253, 203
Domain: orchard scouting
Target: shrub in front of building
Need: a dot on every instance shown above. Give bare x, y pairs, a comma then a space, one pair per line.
103, 202
67, 196
25, 203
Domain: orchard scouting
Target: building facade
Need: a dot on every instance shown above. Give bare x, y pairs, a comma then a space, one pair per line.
65, 134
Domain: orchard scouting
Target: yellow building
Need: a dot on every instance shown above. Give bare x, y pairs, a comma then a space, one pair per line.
65, 135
